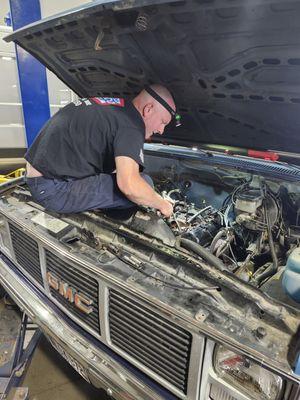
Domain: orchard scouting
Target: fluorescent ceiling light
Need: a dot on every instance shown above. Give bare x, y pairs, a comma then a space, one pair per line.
16, 125
11, 126
6, 58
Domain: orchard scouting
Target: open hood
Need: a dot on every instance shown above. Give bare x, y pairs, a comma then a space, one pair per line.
233, 66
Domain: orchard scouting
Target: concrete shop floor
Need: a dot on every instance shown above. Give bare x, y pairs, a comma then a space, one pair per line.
50, 377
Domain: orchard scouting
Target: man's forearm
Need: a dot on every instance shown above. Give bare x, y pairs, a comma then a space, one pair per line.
140, 192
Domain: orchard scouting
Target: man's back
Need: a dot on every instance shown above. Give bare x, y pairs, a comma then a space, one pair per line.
83, 139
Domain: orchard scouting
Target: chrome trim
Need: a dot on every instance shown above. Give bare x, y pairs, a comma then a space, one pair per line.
43, 268
10, 239
103, 371
9, 252
103, 311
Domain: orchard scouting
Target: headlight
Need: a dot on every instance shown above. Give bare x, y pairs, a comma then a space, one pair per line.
246, 376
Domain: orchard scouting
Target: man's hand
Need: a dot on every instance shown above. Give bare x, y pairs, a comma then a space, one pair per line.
166, 209
137, 189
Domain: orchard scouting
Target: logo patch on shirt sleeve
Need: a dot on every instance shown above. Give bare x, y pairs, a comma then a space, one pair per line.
109, 101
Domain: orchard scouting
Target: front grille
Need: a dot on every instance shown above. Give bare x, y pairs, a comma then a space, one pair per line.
150, 339
83, 284
27, 253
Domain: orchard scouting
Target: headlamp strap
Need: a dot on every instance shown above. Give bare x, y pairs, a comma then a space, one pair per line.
165, 105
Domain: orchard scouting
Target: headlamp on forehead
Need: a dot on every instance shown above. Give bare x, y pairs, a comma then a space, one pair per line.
157, 97
177, 120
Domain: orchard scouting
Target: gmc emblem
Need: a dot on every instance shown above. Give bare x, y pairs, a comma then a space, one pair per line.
80, 301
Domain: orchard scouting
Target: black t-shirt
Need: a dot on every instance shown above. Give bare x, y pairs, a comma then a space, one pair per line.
83, 139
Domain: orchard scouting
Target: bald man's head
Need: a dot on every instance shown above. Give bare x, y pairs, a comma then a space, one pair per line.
162, 92
154, 114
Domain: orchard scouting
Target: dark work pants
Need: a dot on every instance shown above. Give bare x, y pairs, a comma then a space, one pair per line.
76, 195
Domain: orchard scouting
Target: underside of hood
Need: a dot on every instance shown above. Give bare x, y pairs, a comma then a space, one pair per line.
232, 66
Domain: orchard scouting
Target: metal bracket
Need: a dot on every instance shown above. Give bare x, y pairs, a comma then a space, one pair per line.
98, 41
13, 372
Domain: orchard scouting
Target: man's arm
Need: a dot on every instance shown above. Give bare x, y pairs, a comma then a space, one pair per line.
136, 188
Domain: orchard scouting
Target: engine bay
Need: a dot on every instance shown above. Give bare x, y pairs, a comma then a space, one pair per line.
237, 221
246, 221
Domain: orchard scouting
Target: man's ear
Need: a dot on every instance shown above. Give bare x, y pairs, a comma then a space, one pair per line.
147, 110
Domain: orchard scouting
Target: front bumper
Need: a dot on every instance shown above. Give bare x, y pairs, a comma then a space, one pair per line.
92, 363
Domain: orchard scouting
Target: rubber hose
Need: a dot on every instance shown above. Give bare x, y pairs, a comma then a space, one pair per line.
203, 253
274, 268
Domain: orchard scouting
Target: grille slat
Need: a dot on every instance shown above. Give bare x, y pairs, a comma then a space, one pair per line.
73, 275
150, 339
29, 244
27, 253
73, 279
88, 289
135, 316
77, 279
159, 369
25, 246
148, 315
30, 259
74, 283
135, 344
152, 363
27, 266
142, 335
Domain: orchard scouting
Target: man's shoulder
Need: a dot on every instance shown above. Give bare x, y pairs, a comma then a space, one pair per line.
130, 116
115, 109
82, 110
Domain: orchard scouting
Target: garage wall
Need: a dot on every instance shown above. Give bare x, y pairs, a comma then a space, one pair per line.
59, 94
56, 6
11, 116
12, 130
4, 8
